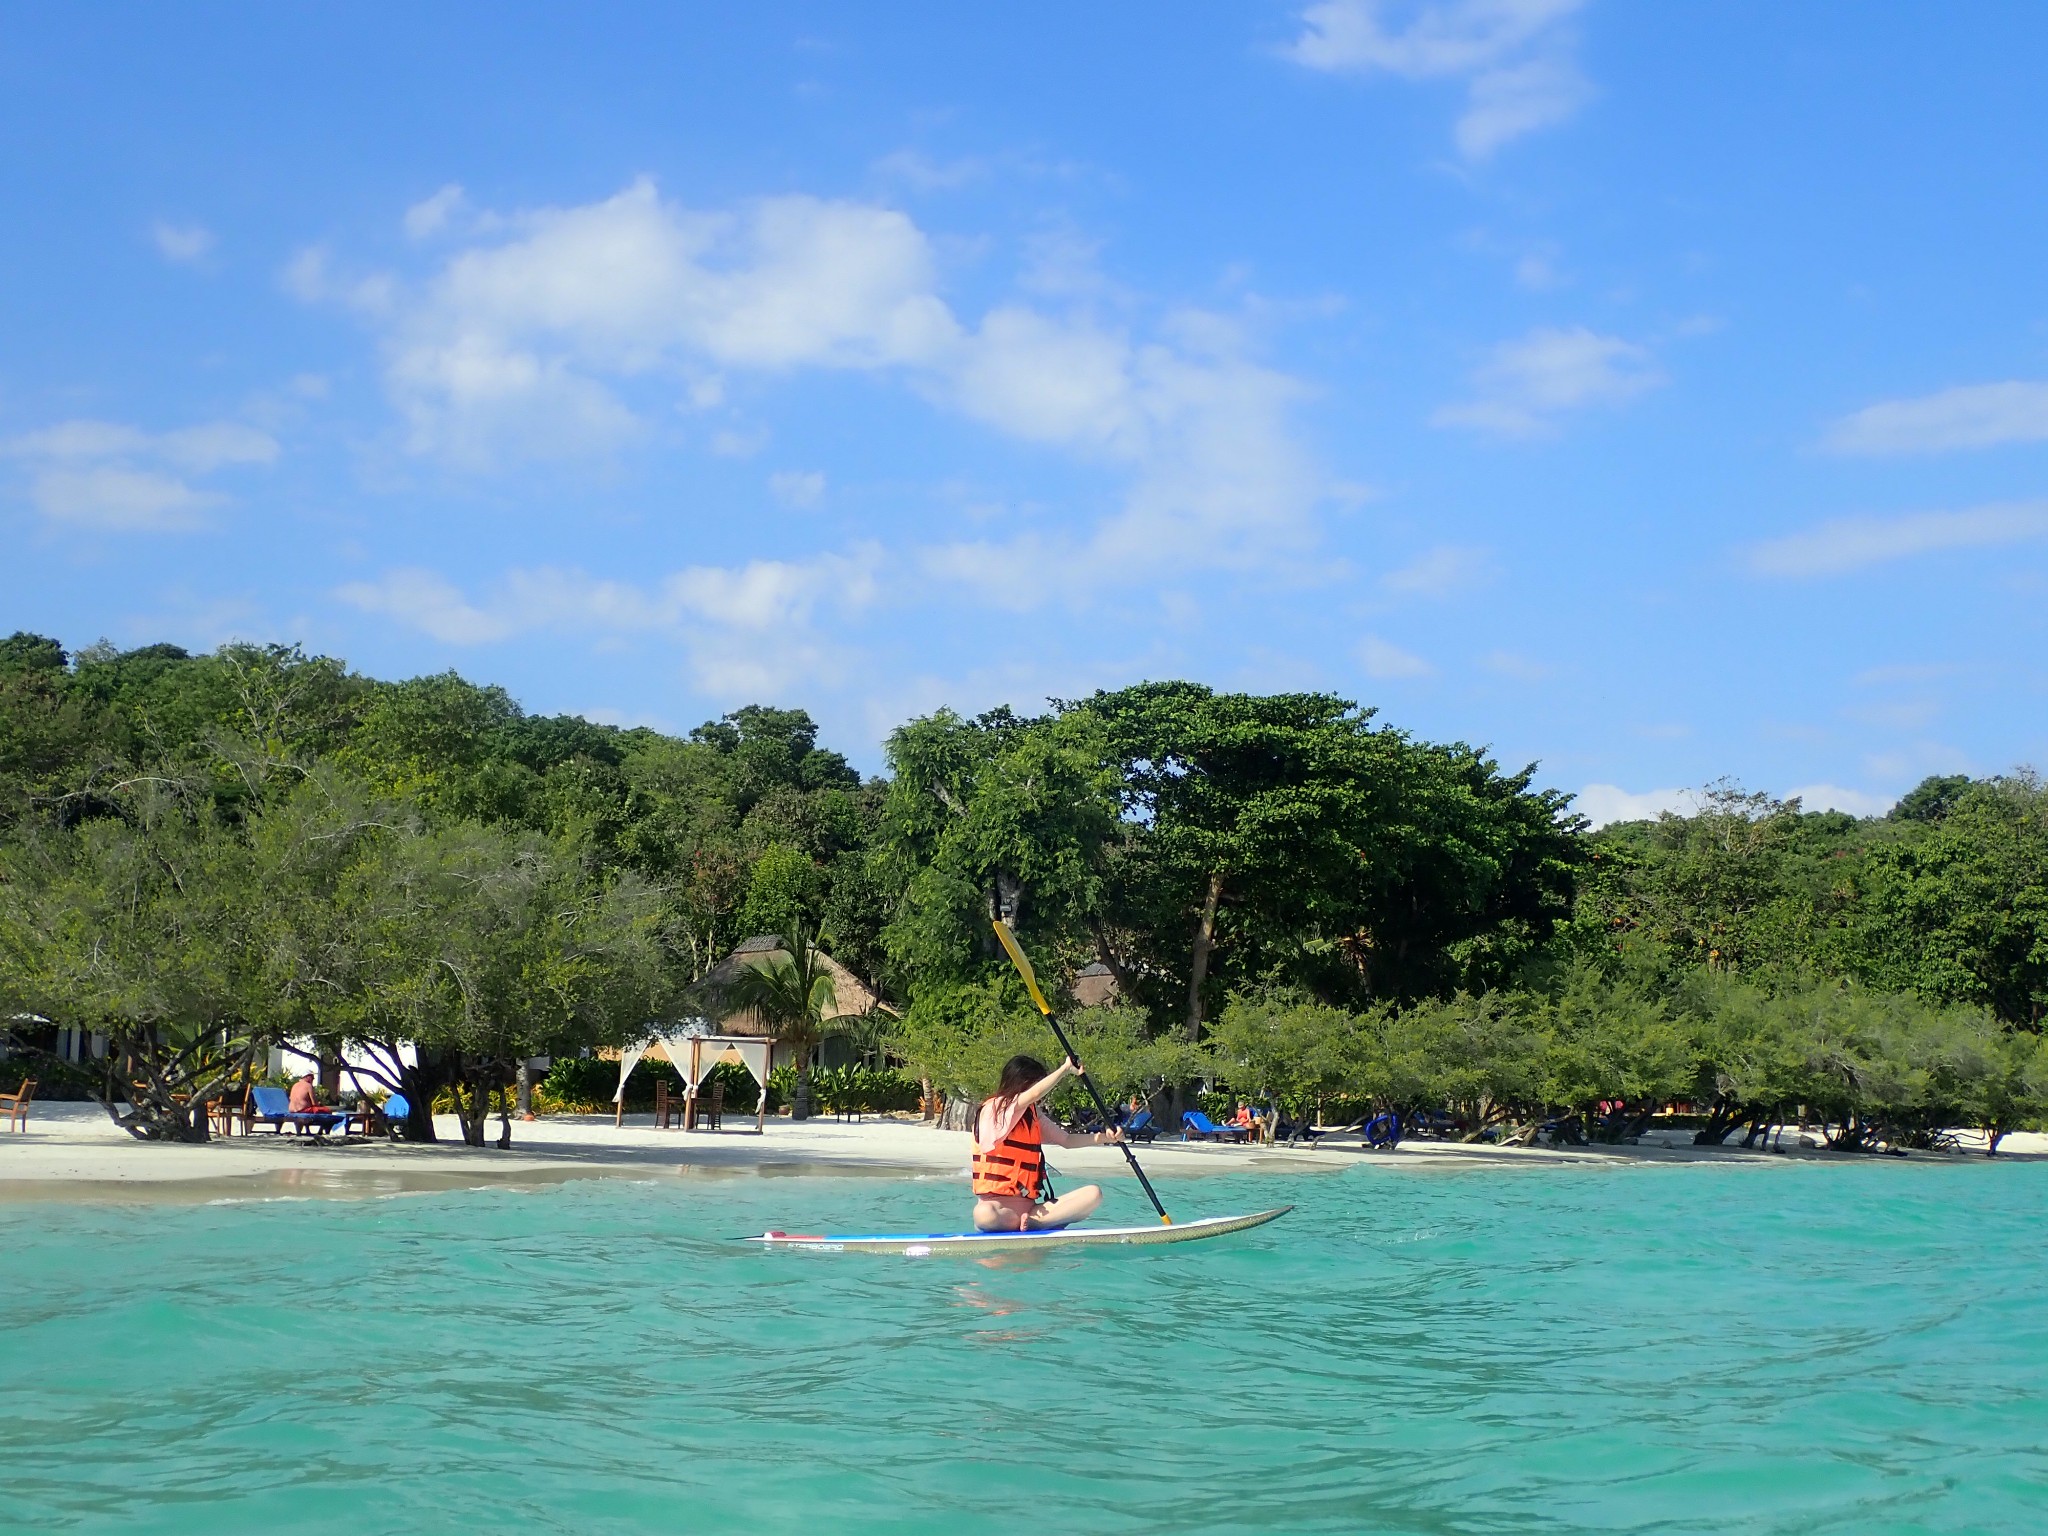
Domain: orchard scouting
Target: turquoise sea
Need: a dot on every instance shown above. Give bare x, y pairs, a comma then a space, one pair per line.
1753, 1348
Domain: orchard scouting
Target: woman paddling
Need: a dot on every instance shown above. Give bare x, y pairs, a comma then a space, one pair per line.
1010, 1137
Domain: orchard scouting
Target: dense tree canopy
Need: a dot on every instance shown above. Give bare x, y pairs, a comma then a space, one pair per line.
201, 854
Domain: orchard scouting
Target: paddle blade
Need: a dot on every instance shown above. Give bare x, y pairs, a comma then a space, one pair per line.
1023, 965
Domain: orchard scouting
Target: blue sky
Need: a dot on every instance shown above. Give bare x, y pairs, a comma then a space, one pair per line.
1657, 391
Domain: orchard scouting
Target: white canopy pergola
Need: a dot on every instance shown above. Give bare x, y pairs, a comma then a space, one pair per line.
694, 1051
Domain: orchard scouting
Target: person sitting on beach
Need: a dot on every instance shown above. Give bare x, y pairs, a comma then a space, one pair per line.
1244, 1119
1010, 1137
302, 1096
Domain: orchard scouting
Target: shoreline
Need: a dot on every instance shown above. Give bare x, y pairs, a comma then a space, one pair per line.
72, 1153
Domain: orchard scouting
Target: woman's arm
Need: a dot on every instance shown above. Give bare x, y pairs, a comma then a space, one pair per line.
1046, 1084
1056, 1135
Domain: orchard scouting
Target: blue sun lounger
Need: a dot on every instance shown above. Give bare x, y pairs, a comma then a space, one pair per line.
1196, 1124
273, 1106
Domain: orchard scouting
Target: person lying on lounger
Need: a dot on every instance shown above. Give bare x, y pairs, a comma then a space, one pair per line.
1011, 1133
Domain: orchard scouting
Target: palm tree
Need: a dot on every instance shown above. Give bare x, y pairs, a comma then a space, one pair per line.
793, 992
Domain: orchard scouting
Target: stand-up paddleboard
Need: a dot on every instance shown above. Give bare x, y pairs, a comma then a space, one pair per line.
927, 1244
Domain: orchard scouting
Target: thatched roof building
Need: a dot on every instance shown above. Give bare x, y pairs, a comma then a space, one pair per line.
1094, 986
851, 996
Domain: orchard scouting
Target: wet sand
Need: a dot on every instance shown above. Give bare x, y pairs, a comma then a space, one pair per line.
73, 1152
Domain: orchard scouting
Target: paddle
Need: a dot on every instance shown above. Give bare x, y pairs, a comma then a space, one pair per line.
1023, 965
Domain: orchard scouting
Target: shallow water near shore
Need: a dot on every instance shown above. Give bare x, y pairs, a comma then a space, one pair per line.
1740, 1349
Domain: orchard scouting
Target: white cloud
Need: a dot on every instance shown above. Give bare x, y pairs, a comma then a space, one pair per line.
528, 343
1832, 797
119, 500
1049, 381
730, 444
1901, 672
1603, 803
1383, 660
515, 347
1507, 103
1512, 664
310, 277
428, 603
1972, 416
797, 487
748, 630
217, 443
1849, 543
1441, 571
108, 475
1516, 57
920, 171
181, 242
1015, 575
431, 215
1526, 384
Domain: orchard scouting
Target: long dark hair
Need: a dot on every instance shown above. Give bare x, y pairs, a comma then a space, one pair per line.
1019, 1073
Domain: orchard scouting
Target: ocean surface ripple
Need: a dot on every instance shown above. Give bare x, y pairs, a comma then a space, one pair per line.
1752, 1348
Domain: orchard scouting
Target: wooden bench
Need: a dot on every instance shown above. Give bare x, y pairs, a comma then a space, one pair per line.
15, 1105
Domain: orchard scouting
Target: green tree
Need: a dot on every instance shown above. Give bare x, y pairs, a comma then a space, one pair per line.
998, 816
1287, 835
136, 929
1960, 914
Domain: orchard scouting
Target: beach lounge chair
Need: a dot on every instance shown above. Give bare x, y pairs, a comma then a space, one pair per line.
1196, 1126
1295, 1134
1429, 1122
273, 1107
388, 1118
1141, 1127
1383, 1130
15, 1105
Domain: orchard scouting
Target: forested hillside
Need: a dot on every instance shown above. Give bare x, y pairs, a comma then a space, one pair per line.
199, 854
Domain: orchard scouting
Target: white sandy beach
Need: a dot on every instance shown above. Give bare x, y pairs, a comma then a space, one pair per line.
73, 1151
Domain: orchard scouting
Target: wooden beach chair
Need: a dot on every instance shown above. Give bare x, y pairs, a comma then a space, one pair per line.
15, 1105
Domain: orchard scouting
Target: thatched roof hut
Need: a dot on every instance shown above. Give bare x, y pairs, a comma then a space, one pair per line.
1095, 986
851, 996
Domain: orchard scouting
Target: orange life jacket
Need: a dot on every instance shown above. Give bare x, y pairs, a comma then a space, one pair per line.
1015, 1165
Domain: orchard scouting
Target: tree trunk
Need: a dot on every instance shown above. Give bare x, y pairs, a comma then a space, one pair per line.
1721, 1119
478, 1107
800, 1097
1198, 964
505, 1114
1008, 899
1108, 956
421, 1084
420, 1087
525, 1088
958, 1114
